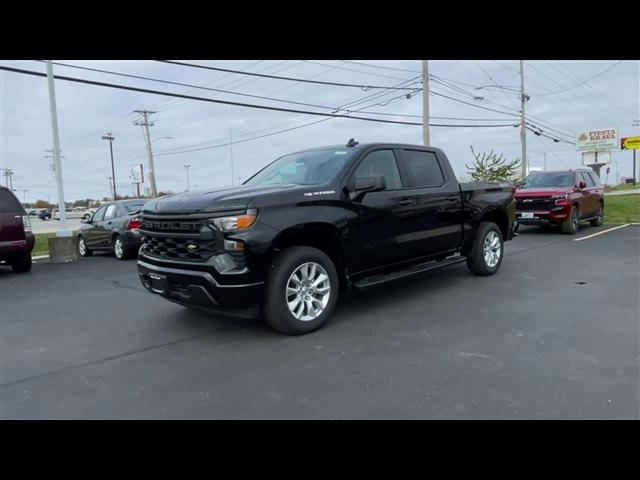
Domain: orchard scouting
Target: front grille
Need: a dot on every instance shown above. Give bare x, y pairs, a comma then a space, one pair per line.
178, 239
537, 204
179, 248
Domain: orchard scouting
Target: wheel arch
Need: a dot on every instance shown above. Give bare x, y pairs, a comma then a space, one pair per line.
323, 236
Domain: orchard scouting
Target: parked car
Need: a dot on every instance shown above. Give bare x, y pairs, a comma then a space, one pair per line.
317, 222
564, 197
16, 238
113, 227
34, 212
45, 214
70, 213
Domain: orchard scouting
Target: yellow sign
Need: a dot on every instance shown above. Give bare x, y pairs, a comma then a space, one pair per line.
630, 143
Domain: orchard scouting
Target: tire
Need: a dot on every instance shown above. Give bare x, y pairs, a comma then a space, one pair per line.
83, 250
570, 225
86, 217
120, 251
598, 221
287, 269
488, 233
21, 263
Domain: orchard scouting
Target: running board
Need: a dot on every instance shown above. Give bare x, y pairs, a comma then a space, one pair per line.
409, 272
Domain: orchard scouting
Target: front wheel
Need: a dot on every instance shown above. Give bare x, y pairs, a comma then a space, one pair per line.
486, 254
570, 225
301, 290
596, 222
82, 248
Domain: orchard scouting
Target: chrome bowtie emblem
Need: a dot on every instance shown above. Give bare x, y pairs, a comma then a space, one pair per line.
527, 200
192, 246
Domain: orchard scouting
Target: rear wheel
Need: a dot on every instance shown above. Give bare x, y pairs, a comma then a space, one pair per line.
120, 250
301, 290
486, 254
21, 263
596, 222
570, 225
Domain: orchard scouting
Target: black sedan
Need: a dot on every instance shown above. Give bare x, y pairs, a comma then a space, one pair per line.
113, 227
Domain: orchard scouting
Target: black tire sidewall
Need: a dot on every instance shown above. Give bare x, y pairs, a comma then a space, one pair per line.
21, 263
86, 250
275, 309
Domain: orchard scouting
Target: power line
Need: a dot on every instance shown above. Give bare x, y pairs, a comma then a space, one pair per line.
211, 100
579, 84
276, 77
381, 66
353, 70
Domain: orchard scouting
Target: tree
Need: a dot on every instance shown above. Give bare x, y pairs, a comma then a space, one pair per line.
41, 204
491, 167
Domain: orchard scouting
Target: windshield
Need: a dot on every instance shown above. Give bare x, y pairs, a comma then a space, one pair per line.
539, 180
314, 167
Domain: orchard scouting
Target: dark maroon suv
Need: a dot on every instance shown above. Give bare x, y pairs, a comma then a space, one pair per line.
16, 239
564, 198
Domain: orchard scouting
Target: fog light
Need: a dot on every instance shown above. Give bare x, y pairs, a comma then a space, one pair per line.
234, 245
223, 262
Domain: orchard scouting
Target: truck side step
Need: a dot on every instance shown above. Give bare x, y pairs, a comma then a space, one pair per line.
408, 272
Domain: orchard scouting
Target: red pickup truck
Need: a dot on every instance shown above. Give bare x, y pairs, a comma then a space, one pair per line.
16, 238
565, 198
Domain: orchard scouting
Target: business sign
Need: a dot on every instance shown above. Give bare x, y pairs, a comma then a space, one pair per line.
597, 140
136, 175
630, 143
596, 158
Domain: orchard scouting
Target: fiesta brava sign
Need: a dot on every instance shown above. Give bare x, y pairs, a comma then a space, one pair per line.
592, 140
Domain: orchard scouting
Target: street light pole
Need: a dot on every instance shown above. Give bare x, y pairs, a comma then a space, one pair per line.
111, 138
187, 169
62, 228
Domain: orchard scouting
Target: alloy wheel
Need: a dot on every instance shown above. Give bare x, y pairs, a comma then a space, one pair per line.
307, 292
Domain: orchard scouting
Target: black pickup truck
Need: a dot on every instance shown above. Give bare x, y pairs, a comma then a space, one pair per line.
318, 222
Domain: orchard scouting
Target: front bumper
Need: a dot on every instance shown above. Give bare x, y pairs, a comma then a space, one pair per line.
199, 289
542, 217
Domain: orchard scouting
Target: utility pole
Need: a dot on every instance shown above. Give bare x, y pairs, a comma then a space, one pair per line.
24, 195
109, 179
545, 161
111, 138
426, 139
62, 228
187, 169
145, 123
231, 147
523, 125
8, 173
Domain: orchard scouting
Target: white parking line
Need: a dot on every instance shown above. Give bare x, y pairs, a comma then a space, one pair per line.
600, 233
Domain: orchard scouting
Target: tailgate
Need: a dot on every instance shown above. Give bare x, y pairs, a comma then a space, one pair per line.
11, 227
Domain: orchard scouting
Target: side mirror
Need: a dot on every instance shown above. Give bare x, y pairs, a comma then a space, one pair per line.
86, 220
582, 185
375, 183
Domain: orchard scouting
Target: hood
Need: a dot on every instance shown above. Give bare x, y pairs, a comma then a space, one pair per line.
542, 191
214, 200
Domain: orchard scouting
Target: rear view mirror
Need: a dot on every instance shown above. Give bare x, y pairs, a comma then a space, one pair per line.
370, 184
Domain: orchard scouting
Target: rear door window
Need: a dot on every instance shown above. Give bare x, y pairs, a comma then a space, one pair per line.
595, 178
9, 203
423, 167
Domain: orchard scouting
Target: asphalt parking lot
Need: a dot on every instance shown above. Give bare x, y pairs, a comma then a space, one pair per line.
554, 335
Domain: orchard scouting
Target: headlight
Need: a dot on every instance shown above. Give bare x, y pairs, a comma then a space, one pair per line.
237, 222
557, 197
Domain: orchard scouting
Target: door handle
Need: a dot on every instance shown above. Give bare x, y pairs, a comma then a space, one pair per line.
108, 223
406, 202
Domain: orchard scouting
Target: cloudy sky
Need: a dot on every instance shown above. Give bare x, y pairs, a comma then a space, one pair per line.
565, 99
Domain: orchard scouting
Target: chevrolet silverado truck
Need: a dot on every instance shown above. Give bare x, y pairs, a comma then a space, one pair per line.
316, 223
